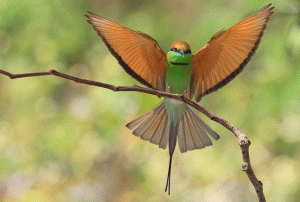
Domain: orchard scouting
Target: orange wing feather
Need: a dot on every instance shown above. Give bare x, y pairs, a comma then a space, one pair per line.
138, 54
227, 53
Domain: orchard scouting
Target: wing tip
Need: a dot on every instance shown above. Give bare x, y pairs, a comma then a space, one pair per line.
93, 15
90, 18
269, 10
128, 125
267, 7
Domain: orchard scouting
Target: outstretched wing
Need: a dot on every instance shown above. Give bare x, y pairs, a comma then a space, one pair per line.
227, 53
138, 54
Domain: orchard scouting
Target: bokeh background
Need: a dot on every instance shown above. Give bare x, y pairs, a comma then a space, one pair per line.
62, 141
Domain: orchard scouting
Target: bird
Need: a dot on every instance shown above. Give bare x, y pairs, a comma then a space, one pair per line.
180, 72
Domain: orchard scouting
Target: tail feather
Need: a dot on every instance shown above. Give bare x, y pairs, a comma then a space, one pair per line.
194, 132
156, 137
191, 130
148, 133
181, 137
164, 138
200, 132
204, 126
145, 127
135, 123
190, 145
173, 132
152, 126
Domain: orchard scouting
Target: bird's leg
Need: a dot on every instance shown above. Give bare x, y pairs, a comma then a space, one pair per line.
169, 89
185, 93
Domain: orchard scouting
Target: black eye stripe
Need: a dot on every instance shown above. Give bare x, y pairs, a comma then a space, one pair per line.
185, 52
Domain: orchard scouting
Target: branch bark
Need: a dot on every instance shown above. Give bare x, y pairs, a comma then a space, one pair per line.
243, 141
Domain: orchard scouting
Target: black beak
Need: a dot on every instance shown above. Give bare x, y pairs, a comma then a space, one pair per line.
182, 53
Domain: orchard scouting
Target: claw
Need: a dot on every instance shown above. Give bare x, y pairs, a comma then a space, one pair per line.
185, 93
169, 89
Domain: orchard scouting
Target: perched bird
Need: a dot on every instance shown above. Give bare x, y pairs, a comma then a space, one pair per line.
180, 72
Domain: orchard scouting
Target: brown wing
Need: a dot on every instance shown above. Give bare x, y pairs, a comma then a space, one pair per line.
138, 54
227, 53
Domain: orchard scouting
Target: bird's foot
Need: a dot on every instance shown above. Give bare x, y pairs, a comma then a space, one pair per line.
185, 93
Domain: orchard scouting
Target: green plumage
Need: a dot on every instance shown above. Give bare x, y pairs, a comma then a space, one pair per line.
173, 120
178, 79
178, 74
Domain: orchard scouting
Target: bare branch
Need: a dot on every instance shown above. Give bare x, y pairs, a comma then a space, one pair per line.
243, 141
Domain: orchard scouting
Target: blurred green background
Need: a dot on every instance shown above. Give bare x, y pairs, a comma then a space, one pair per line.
62, 141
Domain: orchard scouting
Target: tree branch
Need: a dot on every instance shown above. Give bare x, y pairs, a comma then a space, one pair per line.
243, 141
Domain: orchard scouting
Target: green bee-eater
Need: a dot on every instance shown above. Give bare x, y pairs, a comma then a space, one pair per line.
180, 72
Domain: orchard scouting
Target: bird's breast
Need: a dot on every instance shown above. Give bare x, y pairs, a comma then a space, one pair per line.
178, 77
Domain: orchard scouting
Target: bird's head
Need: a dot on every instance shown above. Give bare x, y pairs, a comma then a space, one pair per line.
180, 53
